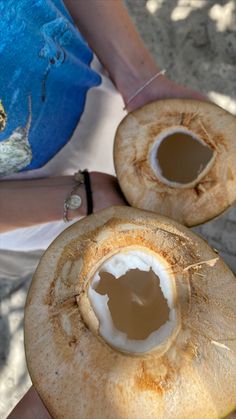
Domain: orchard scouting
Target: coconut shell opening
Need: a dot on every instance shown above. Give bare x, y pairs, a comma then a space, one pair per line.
125, 293
179, 157
132, 301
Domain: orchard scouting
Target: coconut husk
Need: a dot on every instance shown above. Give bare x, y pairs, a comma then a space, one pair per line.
79, 375
191, 204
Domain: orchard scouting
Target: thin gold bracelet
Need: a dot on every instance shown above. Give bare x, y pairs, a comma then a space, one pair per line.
140, 89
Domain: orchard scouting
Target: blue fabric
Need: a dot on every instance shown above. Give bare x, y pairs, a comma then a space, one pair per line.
44, 78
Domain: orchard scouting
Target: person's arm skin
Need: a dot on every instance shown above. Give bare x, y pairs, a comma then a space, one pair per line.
30, 407
28, 202
111, 34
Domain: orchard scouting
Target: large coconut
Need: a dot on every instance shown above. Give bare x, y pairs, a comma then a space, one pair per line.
177, 157
132, 316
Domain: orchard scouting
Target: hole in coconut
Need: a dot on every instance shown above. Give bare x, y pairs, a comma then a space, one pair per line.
132, 301
132, 296
180, 157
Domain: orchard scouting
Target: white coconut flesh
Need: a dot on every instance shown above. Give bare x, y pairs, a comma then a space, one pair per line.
180, 158
133, 299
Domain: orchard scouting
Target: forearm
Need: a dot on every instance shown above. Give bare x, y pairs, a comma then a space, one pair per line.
29, 202
110, 32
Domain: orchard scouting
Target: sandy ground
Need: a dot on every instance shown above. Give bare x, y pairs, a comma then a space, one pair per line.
195, 41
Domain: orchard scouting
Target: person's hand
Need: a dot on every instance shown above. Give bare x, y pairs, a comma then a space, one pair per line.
29, 407
163, 88
105, 190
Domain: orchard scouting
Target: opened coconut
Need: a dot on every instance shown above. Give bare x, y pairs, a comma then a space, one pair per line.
130, 315
177, 157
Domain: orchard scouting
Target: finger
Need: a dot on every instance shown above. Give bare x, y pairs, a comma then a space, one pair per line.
30, 406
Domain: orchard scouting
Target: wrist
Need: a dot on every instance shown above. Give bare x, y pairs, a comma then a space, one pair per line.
60, 193
162, 88
135, 74
105, 192
75, 198
143, 88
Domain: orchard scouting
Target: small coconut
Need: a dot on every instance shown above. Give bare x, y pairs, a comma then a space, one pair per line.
131, 315
177, 157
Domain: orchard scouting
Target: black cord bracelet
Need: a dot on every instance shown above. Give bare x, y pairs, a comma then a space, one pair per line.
88, 189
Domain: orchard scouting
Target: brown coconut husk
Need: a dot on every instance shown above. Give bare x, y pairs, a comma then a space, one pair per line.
211, 192
79, 375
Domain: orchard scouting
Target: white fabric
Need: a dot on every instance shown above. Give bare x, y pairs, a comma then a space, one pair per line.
32, 238
90, 147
